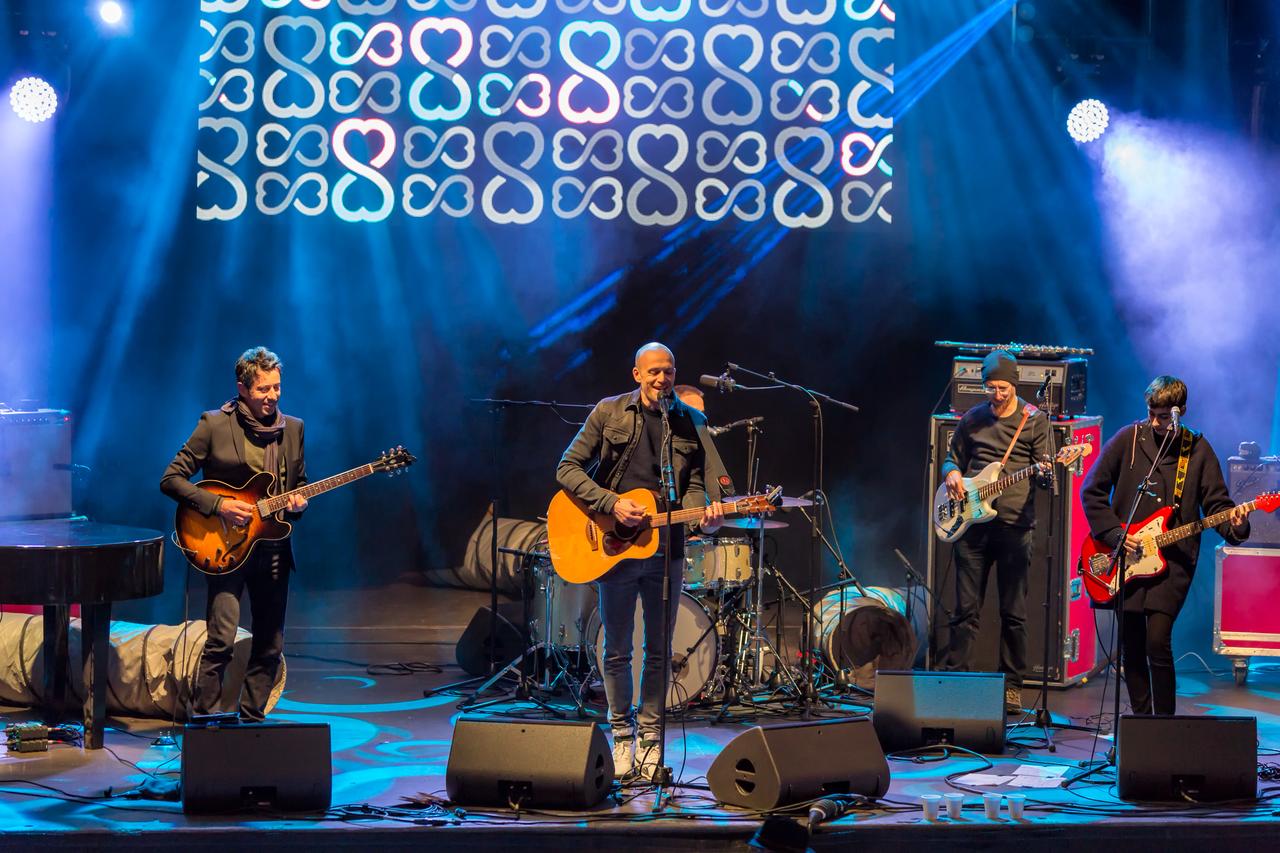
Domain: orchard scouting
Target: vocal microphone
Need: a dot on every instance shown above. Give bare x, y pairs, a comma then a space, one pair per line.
721, 430
828, 809
1044, 386
1176, 414
721, 383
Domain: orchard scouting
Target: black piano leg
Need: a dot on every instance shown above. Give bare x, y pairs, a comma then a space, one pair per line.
56, 617
95, 642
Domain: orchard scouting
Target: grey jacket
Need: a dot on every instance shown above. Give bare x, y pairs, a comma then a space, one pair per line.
593, 464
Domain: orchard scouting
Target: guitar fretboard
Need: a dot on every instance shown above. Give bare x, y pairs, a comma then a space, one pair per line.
684, 516
995, 487
1180, 533
319, 487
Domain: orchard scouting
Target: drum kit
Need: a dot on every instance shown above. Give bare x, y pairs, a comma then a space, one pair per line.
722, 653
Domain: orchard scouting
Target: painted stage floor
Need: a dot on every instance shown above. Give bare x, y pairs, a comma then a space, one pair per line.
390, 747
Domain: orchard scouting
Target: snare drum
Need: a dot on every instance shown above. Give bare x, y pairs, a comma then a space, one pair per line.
695, 648
716, 562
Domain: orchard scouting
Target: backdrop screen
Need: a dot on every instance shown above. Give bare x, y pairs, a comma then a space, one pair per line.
651, 112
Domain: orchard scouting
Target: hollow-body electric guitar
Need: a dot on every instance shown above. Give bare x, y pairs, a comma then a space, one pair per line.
1101, 572
951, 517
584, 544
216, 547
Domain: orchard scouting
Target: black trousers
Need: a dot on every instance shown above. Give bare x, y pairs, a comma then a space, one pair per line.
1147, 654
1009, 549
266, 575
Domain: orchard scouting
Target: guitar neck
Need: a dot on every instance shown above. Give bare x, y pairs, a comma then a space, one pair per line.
279, 502
1180, 533
684, 516
995, 487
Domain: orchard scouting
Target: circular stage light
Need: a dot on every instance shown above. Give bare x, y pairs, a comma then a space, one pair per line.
111, 12
33, 99
1088, 120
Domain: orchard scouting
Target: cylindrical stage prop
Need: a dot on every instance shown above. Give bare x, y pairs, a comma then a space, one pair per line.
151, 669
860, 634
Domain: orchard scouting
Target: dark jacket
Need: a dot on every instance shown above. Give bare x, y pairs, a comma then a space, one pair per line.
1108, 493
216, 447
593, 464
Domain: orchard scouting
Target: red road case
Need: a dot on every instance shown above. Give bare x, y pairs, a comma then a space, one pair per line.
1246, 586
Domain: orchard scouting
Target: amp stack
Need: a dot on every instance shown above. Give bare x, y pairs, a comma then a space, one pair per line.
1060, 529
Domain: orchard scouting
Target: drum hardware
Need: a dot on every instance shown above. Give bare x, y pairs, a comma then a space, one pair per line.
752, 523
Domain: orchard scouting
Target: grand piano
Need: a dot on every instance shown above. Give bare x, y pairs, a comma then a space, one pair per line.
58, 563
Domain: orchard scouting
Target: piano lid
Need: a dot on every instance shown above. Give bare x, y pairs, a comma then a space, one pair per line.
78, 562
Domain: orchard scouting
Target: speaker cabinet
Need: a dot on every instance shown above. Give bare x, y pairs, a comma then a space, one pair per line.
1248, 478
35, 464
544, 764
282, 767
1060, 530
1176, 759
914, 709
764, 768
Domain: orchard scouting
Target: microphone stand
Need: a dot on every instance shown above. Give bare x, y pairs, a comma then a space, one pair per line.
809, 694
1119, 562
662, 776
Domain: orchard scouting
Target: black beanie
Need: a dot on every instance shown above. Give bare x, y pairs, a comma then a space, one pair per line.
1000, 365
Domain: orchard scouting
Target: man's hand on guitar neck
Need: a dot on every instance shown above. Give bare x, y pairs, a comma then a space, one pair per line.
712, 518
1239, 515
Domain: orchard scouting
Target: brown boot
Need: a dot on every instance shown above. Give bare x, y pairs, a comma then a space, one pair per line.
1013, 700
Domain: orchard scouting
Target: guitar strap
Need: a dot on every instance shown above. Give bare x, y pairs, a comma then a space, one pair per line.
1184, 462
1026, 413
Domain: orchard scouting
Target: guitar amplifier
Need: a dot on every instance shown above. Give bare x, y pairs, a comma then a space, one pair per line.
1246, 479
35, 464
1068, 383
1056, 542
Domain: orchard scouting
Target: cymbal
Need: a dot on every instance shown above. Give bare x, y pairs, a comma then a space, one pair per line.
753, 523
786, 502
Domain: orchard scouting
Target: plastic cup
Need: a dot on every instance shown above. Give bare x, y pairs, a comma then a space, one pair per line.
1016, 804
991, 804
954, 803
930, 803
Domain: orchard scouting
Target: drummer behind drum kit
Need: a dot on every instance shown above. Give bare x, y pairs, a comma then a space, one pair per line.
721, 652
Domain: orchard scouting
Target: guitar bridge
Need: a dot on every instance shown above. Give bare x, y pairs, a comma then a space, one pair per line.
593, 536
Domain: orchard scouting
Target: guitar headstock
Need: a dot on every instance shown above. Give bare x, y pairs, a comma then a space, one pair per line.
1073, 452
394, 460
759, 504
1268, 501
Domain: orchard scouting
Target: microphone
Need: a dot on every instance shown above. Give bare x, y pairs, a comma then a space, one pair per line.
828, 809
721, 430
721, 383
1044, 386
1176, 414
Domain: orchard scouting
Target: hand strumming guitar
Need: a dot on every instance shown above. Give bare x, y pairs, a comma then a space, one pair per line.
629, 513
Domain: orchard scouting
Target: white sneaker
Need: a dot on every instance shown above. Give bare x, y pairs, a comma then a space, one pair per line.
647, 756
624, 755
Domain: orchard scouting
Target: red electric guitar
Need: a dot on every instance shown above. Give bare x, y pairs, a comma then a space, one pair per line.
1101, 579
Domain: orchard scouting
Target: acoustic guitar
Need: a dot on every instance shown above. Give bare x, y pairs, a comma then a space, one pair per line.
216, 547
585, 545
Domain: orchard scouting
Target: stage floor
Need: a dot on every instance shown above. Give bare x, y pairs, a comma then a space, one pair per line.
390, 745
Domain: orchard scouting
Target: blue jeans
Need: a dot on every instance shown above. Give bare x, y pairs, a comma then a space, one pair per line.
619, 590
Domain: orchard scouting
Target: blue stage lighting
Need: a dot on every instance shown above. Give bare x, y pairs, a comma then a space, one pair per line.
1088, 120
111, 12
33, 99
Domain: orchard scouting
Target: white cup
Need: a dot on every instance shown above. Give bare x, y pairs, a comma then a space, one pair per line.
954, 803
930, 803
991, 804
1016, 803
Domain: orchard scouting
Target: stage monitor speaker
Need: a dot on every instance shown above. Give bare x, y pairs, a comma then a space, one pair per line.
544, 764
1180, 759
1055, 550
764, 768
275, 767
914, 709
472, 649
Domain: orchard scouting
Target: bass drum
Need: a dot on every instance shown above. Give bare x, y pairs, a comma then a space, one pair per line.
695, 647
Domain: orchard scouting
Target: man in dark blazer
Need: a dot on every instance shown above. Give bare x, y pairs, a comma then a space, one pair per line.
247, 435
1151, 604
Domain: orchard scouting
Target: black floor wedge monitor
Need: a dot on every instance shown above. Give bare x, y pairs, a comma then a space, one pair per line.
914, 709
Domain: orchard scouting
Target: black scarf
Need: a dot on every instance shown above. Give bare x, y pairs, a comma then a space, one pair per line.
268, 436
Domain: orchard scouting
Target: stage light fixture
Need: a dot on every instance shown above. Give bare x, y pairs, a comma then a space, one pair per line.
33, 99
1088, 120
111, 12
